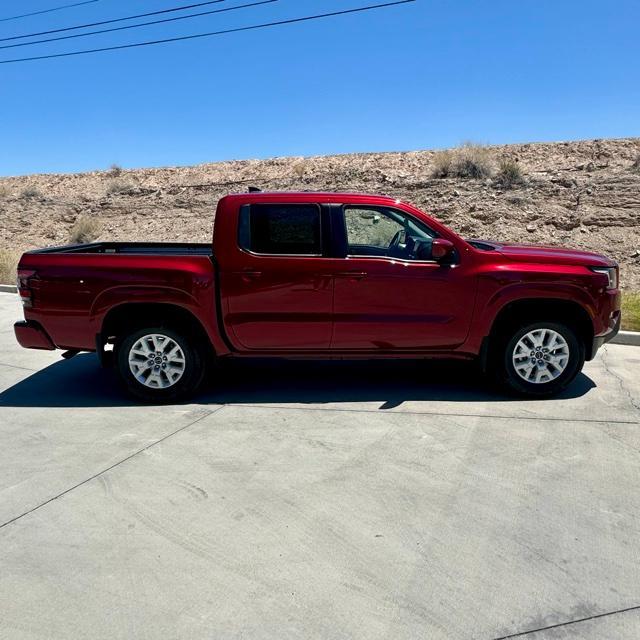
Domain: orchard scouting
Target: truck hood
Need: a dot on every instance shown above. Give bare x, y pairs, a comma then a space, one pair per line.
545, 254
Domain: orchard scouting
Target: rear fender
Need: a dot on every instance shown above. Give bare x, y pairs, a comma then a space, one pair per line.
115, 297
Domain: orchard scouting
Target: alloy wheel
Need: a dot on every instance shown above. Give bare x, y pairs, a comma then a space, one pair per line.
540, 356
157, 361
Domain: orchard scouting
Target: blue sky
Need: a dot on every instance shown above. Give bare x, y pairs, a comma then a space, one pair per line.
424, 75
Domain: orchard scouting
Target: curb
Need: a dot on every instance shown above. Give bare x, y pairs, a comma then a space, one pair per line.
627, 337
623, 337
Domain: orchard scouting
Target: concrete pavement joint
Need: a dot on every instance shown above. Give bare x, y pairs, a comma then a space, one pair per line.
433, 413
15, 366
113, 466
566, 624
623, 387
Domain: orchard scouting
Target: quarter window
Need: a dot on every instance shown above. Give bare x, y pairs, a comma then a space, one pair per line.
281, 229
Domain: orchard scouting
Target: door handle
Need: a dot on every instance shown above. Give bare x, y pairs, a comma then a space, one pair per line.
249, 275
354, 275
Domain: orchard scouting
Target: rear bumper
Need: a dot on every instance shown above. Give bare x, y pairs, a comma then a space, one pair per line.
31, 335
598, 341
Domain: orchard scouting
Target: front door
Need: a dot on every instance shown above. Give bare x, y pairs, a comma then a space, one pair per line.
389, 294
281, 298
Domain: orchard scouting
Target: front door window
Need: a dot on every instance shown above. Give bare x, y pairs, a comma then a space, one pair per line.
383, 232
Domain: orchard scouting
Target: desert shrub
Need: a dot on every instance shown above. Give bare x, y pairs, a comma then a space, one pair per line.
8, 266
85, 229
509, 174
30, 193
442, 161
299, 168
636, 164
114, 170
118, 186
473, 161
4, 192
468, 161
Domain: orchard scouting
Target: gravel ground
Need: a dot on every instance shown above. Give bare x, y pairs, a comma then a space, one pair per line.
581, 194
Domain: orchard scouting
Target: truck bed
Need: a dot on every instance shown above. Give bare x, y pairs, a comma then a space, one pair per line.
72, 288
133, 248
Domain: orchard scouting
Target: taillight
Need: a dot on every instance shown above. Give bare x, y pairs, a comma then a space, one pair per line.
24, 289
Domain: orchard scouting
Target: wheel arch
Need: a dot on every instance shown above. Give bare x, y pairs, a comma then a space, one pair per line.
530, 310
129, 316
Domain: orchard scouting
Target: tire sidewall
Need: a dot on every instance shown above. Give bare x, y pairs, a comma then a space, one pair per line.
188, 384
574, 366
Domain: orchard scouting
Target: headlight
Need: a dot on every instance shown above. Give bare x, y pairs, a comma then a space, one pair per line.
611, 273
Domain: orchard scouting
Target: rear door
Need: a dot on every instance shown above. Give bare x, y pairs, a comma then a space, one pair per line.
389, 294
279, 292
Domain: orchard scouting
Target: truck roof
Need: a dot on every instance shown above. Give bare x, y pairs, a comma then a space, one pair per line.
312, 196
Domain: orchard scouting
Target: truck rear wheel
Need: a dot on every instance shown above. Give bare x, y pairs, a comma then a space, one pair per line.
158, 364
539, 359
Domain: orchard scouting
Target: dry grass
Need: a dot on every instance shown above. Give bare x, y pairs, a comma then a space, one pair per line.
468, 161
442, 162
509, 174
30, 193
86, 229
631, 311
299, 168
8, 265
118, 186
635, 167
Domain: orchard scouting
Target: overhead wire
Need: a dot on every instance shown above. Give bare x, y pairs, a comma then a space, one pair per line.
113, 20
42, 11
135, 26
254, 27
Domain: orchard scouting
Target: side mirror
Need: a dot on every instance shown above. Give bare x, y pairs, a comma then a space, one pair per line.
442, 249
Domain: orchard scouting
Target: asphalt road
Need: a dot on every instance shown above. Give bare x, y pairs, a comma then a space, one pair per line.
317, 500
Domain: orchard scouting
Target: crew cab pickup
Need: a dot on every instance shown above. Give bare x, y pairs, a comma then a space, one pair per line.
320, 275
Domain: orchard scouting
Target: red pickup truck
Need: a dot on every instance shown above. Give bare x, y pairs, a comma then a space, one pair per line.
320, 275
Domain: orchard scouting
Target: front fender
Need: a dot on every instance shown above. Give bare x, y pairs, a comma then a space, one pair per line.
497, 291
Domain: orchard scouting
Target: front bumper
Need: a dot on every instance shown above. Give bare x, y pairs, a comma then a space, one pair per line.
598, 341
31, 335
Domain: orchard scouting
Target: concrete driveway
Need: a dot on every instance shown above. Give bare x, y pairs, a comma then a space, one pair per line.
317, 500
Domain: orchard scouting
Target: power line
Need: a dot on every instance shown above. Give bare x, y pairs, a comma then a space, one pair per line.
211, 33
135, 26
38, 13
97, 24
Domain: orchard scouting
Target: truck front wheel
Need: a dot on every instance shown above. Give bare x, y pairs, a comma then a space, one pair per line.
158, 364
539, 359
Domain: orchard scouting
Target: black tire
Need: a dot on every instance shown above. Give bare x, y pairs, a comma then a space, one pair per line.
503, 365
190, 380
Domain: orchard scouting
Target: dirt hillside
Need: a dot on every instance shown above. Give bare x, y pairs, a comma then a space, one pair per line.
581, 194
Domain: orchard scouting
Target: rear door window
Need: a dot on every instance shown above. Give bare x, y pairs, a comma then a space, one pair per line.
281, 229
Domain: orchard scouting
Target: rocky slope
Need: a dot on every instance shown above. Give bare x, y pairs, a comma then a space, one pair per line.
581, 194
